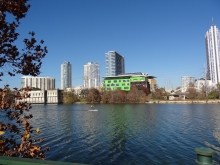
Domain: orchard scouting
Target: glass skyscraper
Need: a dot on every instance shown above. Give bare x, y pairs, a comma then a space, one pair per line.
91, 75
66, 75
212, 40
114, 63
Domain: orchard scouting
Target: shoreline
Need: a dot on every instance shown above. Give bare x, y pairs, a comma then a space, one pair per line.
183, 102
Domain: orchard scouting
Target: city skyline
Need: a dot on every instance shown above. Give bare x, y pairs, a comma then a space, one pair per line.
212, 38
162, 38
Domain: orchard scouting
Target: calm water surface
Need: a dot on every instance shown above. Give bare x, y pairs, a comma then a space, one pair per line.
130, 134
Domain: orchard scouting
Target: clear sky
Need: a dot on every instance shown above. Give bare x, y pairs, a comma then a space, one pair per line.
164, 38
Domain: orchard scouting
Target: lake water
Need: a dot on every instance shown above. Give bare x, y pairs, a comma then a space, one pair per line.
130, 134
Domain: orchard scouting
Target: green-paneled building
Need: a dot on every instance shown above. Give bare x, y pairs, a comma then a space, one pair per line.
124, 81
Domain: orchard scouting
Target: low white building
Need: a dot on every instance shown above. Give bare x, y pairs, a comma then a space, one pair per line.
54, 96
37, 97
45, 97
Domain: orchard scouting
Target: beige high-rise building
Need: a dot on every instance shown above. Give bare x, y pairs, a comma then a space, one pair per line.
43, 83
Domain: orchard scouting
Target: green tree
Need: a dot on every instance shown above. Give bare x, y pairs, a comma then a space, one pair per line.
69, 97
213, 94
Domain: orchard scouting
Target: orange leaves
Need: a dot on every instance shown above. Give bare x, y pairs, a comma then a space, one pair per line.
14, 108
37, 130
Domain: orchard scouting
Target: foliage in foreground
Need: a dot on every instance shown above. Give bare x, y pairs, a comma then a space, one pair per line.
15, 129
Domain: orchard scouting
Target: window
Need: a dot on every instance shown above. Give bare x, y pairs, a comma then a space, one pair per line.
119, 80
109, 81
115, 80
128, 80
126, 87
123, 84
124, 80
117, 85
128, 84
112, 84
108, 85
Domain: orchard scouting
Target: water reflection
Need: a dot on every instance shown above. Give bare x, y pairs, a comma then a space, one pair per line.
128, 134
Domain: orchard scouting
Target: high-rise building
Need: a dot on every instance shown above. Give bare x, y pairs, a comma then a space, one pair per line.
66, 75
91, 75
115, 63
43, 83
212, 40
186, 81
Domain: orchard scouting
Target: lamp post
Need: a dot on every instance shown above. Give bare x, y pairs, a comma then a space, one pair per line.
204, 156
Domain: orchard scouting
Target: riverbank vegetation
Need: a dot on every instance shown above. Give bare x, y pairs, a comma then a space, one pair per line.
17, 136
140, 94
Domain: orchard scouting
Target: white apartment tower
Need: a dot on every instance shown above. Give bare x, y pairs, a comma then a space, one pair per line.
212, 41
43, 83
91, 75
66, 75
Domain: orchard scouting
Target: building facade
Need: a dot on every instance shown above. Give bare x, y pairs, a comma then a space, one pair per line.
186, 81
43, 83
124, 81
44, 97
66, 75
212, 41
91, 75
54, 96
37, 97
115, 63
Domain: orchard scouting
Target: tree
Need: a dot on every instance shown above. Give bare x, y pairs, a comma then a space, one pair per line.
117, 96
213, 94
93, 96
84, 92
14, 110
158, 94
105, 96
12, 61
191, 92
218, 88
69, 97
135, 95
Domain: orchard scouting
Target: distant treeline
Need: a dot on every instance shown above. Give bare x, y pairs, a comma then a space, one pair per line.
137, 94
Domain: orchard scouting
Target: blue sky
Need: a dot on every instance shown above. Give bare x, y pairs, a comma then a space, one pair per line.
164, 38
